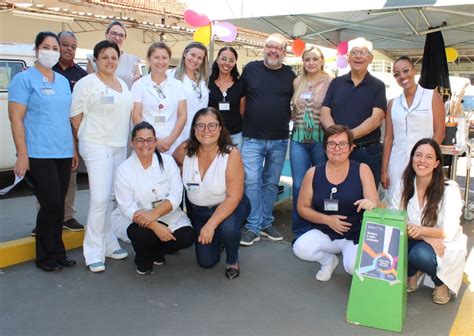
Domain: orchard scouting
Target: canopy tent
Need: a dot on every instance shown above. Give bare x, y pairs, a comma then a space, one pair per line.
395, 27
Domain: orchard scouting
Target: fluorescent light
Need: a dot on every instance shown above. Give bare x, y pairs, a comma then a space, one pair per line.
42, 16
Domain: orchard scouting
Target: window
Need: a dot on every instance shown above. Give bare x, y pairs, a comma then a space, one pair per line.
8, 70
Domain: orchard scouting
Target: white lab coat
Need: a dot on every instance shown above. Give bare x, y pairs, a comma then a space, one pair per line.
197, 97
410, 124
160, 111
451, 265
136, 188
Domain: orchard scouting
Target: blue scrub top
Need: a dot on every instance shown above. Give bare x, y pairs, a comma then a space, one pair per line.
47, 126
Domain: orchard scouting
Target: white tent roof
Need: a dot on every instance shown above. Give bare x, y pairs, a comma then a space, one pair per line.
394, 26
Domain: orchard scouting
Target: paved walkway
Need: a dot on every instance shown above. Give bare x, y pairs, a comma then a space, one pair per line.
276, 294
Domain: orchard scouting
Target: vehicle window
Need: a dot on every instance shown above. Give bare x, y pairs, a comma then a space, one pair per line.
468, 103
8, 70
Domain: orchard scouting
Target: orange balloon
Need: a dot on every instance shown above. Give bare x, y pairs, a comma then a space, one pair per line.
298, 47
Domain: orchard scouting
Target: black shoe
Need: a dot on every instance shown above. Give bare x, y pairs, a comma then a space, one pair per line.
160, 260
145, 272
49, 268
73, 225
67, 262
231, 272
33, 232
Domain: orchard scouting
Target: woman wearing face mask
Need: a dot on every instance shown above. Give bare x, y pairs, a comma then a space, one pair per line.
160, 99
127, 69
38, 106
193, 71
100, 115
226, 92
306, 146
417, 113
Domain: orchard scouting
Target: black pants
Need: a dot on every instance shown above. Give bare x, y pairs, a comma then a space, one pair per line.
50, 180
148, 247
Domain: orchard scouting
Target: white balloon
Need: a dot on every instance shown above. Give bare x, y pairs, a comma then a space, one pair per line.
299, 28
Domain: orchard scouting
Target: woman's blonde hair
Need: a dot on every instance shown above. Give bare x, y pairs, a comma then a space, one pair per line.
203, 72
302, 85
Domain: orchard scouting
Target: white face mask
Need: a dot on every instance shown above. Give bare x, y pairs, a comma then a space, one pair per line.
48, 58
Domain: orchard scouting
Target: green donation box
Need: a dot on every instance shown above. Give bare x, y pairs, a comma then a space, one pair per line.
378, 296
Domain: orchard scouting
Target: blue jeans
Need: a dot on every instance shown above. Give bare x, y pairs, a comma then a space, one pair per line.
226, 234
372, 156
422, 257
263, 161
237, 140
302, 157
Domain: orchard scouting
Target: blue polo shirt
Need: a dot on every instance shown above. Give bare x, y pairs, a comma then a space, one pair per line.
350, 105
47, 127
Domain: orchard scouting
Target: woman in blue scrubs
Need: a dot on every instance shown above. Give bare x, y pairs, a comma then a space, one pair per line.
39, 100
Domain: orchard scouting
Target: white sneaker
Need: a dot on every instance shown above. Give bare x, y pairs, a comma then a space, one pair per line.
96, 267
118, 254
325, 272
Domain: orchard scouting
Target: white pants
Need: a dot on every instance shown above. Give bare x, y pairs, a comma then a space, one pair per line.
315, 245
101, 162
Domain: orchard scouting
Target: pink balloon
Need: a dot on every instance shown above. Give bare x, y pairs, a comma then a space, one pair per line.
342, 48
195, 19
341, 61
225, 31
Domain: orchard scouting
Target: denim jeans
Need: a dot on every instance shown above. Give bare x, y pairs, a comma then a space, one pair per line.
263, 161
371, 156
422, 257
226, 234
302, 157
237, 140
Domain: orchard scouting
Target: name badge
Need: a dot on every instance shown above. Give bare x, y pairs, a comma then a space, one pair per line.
159, 120
306, 95
224, 106
192, 187
47, 91
107, 100
331, 205
156, 204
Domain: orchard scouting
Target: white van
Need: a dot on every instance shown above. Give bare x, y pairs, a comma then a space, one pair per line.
15, 58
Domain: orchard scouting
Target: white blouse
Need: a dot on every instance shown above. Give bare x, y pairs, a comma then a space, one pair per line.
210, 190
451, 264
197, 97
107, 112
160, 107
137, 188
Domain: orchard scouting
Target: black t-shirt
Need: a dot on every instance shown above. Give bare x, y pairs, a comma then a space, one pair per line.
268, 95
232, 118
72, 73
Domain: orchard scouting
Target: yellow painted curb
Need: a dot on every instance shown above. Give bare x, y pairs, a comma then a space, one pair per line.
463, 324
20, 250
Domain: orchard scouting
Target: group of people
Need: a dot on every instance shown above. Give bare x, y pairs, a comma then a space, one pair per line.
221, 140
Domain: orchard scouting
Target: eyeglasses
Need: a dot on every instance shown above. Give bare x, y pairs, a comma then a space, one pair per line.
119, 35
274, 47
159, 91
363, 53
341, 145
141, 141
201, 127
